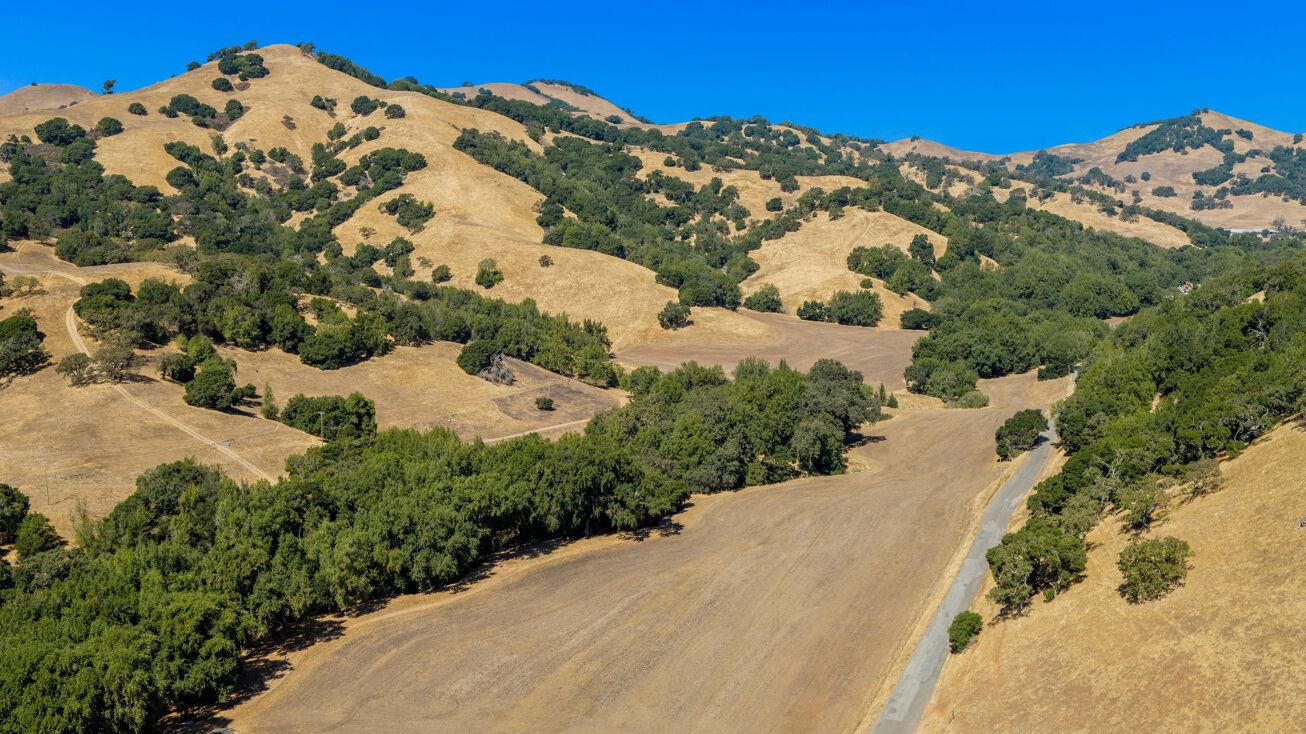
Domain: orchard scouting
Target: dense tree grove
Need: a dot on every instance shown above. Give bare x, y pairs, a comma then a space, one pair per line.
159, 598
1194, 377
331, 416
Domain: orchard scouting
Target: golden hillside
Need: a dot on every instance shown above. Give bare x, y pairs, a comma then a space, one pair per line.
1220, 653
38, 97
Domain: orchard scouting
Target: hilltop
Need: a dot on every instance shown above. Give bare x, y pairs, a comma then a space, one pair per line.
1218, 169
42, 97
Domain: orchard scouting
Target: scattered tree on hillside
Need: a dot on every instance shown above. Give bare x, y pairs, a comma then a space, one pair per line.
1152, 568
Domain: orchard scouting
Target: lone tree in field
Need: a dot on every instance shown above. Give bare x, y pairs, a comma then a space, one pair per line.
1020, 433
674, 315
1153, 568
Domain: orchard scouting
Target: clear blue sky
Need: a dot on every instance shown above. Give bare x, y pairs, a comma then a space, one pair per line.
974, 75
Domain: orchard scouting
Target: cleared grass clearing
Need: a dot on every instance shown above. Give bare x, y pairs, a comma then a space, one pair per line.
779, 608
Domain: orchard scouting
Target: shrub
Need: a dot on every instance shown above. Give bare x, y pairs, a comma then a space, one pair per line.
441, 274
213, 386
861, 308
234, 109
223, 84
544, 403
766, 299
774, 204
58, 131
1152, 568
970, 400
331, 416
918, 318
136, 108
546, 261
35, 535
13, 508
477, 356
395, 112
1165, 191
408, 211
1020, 432
108, 126
813, 311
364, 105
323, 103
965, 626
488, 274
674, 315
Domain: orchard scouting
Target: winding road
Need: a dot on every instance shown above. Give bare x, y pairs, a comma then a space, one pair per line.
906, 704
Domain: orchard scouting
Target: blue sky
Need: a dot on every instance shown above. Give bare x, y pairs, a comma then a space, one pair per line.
974, 75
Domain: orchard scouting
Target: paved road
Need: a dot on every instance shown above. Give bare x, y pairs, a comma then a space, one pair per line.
902, 712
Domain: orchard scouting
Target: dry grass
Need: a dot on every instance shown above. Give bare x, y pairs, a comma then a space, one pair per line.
66, 446
42, 97
811, 263
1221, 653
747, 614
422, 387
1087, 214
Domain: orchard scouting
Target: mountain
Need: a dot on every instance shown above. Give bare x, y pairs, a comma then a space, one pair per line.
39, 97
1209, 166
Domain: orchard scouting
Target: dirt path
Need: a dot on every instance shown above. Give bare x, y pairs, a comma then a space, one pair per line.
780, 608
70, 322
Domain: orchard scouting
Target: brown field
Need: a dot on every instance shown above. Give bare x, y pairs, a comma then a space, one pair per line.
812, 262
1088, 215
880, 354
422, 387
779, 608
1221, 653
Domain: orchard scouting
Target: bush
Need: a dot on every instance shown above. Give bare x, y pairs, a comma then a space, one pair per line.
108, 126
13, 508
544, 403
408, 211
1165, 191
856, 309
58, 131
965, 626
136, 108
674, 315
213, 386
918, 319
1152, 568
364, 105
234, 109
223, 84
970, 401
813, 311
1020, 432
35, 535
395, 112
488, 274
766, 299
546, 261
331, 416
477, 356
441, 274
774, 204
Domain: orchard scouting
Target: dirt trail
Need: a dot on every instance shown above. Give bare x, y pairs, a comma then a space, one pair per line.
70, 322
779, 608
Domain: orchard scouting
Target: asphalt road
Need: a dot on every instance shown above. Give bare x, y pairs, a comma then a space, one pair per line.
902, 712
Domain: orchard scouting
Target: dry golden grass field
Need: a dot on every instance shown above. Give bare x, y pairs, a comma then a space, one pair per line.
1221, 653
781, 608
37, 97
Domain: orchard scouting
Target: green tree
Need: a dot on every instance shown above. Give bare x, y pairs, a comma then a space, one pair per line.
35, 535
213, 387
488, 274
766, 299
1020, 433
965, 626
921, 249
108, 126
13, 508
1152, 568
674, 316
